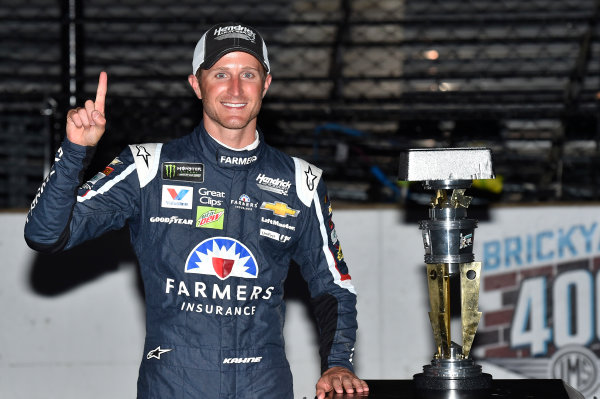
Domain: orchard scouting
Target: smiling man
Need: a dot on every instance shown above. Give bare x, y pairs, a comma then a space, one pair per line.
215, 219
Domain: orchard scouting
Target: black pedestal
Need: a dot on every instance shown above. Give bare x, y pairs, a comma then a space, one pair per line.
500, 389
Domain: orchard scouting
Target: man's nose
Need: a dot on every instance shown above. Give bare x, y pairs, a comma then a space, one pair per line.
235, 86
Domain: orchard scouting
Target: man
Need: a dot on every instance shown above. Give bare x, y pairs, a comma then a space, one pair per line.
215, 218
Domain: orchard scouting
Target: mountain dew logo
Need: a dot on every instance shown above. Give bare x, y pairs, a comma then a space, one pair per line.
210, 218
169, 170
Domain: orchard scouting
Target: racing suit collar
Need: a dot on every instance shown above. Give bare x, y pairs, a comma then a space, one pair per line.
225, 157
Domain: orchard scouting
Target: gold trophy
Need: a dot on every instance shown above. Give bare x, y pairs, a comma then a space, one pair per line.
448, 240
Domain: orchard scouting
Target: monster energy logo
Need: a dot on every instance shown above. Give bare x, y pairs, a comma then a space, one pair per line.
183, 171
170, 169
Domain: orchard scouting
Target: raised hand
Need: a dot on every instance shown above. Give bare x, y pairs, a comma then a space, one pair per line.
85, 126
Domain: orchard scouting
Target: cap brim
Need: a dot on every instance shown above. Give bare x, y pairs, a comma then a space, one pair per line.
212, 59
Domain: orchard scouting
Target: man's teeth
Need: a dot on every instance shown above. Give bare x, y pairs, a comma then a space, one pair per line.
233, 105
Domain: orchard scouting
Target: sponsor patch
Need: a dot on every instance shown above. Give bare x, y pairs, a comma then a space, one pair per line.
210, 197
115, 161
334, 237
179, 197
171, 220
274, 235
279, 209
237, 160
90, 183
208, 217
97, 177
278, 223
244, 202
223, 257
183, 171
278, 186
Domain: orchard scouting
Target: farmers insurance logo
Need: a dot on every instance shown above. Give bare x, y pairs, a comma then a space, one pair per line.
179, 197
223, 257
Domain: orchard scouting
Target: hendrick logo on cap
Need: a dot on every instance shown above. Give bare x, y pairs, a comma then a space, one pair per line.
240, 31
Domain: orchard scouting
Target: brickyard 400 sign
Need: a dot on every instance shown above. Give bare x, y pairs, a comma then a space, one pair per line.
555, 328
541, 302
571, 309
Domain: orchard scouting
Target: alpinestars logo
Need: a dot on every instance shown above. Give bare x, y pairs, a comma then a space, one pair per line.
143, 153
223, 257
155, 353
310, 179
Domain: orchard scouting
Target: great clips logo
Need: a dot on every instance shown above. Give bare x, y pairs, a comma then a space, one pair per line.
223, 257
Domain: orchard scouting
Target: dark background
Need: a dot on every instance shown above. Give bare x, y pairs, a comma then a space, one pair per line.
354, 83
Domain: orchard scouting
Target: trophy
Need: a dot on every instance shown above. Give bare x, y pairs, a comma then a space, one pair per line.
448, 240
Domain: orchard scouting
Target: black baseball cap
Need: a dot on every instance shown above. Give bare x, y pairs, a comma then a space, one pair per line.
224, 38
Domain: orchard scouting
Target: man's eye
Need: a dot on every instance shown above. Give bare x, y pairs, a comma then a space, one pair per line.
220, 75
248, 75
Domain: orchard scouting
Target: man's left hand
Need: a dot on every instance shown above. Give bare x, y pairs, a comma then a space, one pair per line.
339, 379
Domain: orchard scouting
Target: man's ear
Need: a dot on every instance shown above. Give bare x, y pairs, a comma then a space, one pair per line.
195, 85
267, 84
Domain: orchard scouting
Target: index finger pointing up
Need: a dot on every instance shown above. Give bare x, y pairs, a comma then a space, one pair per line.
101, 92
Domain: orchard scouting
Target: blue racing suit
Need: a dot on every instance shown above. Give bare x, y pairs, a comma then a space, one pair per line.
214, 230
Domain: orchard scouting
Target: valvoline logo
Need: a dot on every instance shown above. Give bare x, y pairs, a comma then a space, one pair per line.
223, 257
179, 197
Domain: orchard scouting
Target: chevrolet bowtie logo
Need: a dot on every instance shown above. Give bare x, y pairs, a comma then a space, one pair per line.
279, 209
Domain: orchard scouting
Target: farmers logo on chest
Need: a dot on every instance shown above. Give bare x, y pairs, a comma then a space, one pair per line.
223, 257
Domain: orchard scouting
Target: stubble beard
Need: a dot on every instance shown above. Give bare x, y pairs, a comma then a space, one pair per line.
233, 124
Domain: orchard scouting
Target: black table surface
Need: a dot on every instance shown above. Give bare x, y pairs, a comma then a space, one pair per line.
501, 389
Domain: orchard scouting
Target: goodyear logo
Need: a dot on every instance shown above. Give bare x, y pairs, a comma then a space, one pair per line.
183, 171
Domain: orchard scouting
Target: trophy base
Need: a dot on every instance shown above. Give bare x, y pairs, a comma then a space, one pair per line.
452, 374
478, 383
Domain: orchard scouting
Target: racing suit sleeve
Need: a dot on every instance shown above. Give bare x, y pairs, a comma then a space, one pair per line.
65, 213
333, 296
